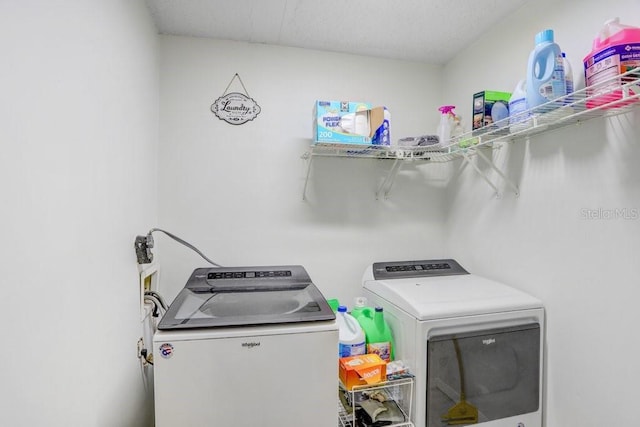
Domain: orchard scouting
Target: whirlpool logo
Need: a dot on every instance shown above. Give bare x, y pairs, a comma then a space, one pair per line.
251, 344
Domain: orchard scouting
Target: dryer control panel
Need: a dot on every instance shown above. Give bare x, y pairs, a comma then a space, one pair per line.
423, 268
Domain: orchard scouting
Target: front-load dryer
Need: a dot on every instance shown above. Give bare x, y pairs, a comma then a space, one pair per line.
247, 346
474, 345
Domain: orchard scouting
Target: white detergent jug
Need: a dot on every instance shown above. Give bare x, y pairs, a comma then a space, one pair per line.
351, 339
519, 115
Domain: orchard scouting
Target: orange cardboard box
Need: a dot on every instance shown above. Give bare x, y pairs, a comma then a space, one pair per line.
366, 369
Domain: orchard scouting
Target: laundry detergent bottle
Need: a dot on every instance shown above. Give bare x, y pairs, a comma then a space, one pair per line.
545, 72
377, 333
568, 74
359, 304
616, 50
351, 339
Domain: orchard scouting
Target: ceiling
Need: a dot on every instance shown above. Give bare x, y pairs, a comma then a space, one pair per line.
430, 31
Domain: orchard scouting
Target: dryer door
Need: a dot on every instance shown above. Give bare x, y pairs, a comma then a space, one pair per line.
494, 371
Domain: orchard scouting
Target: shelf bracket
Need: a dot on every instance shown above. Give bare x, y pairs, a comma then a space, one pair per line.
482, 174
309, 158
514, 187
389, 179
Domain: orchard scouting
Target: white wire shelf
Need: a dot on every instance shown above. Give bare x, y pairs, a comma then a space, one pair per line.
375, 151
399, 391
616, 95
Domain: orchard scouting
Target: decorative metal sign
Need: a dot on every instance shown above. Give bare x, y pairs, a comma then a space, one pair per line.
235, 108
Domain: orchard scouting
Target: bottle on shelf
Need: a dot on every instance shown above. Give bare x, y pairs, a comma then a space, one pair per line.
568, 75
519, 116
351, 339
456, 132
446, 123
445, 126
377, 333
359, 304
545, 72
608, 58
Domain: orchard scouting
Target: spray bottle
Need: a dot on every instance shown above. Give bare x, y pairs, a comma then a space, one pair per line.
446, 123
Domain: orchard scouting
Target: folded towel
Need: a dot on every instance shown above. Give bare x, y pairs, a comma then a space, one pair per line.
373, 408
419, 141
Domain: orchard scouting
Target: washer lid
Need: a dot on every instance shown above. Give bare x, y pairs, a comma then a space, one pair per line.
444, 296
217, 297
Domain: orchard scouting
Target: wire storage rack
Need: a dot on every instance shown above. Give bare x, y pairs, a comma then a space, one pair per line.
616, 95
388, 402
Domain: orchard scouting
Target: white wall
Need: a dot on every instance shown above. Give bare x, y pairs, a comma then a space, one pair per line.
79, 127
585, 270
236, 191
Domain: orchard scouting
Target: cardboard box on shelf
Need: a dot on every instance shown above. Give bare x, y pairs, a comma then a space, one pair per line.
348, 122
489, 102
366, 369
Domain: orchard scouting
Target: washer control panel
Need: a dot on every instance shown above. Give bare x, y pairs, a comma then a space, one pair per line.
423, 268
247, 274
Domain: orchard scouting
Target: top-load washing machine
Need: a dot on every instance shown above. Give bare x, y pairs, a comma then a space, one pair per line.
247, 346
474, 345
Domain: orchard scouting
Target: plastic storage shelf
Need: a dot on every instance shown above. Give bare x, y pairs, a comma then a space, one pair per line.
398, 392
614, 96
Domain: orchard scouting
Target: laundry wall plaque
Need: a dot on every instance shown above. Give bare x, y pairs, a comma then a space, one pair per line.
235, 108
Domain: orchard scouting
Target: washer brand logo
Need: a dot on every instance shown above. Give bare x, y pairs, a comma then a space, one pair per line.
166, 350
489, 341
251, 344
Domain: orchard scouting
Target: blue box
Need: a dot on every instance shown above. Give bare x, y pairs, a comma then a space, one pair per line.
348, 122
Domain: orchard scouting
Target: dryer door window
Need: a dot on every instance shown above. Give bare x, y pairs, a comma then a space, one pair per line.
482, 376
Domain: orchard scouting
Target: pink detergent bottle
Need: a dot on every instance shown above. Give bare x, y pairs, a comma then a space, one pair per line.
616, 50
